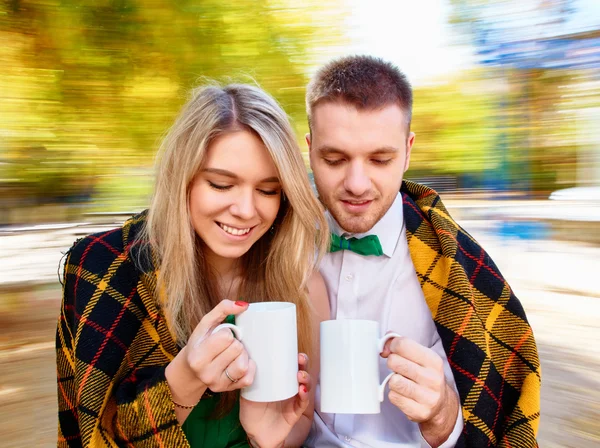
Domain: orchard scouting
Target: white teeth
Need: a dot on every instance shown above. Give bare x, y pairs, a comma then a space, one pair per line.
232, 231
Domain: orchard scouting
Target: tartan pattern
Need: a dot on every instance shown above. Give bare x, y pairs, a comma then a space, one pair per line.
483, 327
112, 347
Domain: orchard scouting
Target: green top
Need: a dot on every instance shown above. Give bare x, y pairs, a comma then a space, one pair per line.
203, 430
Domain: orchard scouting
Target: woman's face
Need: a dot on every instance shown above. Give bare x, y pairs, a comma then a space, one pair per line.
235, 197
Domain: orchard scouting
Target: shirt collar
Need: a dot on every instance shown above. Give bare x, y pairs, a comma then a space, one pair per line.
387, 229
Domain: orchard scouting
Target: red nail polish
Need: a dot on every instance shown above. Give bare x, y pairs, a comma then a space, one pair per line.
304, 389
240, 303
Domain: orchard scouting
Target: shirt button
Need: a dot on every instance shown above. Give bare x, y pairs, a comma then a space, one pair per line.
349, 277
348, 439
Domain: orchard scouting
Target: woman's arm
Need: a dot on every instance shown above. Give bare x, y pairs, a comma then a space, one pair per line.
110, 355
319, 300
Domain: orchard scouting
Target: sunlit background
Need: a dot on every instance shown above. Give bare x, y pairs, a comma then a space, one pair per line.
507, 117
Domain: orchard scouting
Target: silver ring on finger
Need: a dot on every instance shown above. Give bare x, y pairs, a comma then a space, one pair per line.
230, 378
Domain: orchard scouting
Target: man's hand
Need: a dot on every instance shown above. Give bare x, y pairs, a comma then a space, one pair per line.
419, 388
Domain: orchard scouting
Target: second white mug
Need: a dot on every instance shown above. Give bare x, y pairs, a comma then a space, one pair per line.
349, 379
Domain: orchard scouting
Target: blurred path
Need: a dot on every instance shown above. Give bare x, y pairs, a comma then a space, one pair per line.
556, 281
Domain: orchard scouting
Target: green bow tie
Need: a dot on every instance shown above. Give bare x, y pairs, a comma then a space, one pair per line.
369, 245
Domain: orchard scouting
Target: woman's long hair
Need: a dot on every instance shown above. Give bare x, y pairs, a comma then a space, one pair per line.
278, 265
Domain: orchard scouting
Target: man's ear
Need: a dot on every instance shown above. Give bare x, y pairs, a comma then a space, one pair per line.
310, 159
410, 141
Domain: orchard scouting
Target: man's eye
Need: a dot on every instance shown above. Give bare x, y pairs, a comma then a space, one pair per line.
219, 187
381, 161
333, 162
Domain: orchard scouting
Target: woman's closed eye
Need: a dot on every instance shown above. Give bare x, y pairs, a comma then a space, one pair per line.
219, 187
268, 192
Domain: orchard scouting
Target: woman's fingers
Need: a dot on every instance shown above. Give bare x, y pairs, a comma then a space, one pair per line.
236, 368
248, 378
216, 316
302, 361
303, 398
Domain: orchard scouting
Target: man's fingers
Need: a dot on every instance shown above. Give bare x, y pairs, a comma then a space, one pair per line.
386, 348
413, 410
409, 389
415, 352
412, 370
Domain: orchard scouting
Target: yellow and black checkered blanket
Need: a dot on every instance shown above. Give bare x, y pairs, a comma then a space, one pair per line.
112, 347
486, 336
113, 344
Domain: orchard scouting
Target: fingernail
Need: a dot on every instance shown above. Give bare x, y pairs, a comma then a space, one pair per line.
304, 389
305, 357
303, 374
240, 303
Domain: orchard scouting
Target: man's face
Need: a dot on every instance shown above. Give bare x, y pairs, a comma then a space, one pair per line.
358, 158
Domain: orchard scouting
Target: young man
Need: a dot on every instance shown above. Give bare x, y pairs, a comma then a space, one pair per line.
466, 369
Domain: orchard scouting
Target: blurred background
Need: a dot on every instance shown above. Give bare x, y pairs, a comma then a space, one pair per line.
507, 117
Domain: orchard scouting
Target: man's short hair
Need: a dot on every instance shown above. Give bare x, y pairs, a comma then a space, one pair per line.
366, 82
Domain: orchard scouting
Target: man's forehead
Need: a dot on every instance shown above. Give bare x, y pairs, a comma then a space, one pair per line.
341, 111
343, 122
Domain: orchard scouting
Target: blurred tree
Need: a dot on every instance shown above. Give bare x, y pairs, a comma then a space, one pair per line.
453, 122
531, 107
97, 82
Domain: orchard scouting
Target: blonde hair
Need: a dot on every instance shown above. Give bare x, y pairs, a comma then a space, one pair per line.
278, 265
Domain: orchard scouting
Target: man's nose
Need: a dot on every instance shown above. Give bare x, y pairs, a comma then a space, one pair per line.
357, 181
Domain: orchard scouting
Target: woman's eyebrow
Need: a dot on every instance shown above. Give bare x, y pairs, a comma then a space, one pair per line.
221, 172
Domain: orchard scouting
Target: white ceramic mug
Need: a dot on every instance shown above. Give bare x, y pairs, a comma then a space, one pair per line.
350, 354
268, 332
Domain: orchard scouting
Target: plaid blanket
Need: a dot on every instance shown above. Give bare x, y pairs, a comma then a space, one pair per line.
487, 339
112, 347
112, 342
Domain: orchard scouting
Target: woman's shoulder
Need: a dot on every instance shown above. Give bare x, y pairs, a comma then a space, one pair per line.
99, 270
97, 252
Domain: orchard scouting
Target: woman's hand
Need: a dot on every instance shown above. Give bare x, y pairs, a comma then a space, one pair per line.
215, 361
268, 424
219, 360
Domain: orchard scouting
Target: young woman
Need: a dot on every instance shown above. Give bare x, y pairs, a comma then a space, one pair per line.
233, 220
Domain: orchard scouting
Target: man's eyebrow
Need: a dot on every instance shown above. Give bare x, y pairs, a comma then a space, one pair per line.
329, 150
221, 172
385, 150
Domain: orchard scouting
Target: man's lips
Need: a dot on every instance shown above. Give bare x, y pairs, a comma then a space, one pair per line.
354, 206
356, 202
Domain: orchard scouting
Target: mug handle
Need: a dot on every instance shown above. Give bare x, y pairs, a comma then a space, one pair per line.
380, 343
236, 330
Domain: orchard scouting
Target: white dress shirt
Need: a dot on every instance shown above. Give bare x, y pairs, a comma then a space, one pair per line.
384, 289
